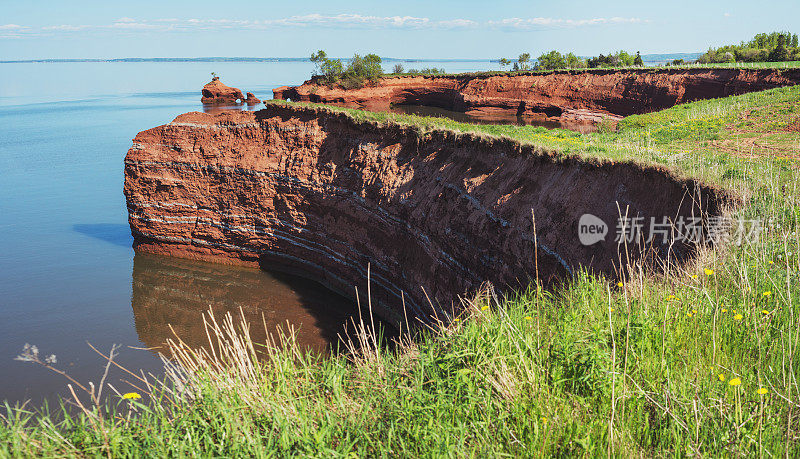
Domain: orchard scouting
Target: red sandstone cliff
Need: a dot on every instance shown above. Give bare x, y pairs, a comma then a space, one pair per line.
434, 215
566, 95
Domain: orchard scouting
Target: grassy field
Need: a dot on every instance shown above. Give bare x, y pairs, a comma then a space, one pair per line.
700, 360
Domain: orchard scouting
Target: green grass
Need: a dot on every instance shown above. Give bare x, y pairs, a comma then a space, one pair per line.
735, 65
592, 369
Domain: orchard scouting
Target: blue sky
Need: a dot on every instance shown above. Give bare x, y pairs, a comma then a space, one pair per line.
411, 28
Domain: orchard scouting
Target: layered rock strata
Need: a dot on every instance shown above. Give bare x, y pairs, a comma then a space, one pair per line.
429, 216
588, 96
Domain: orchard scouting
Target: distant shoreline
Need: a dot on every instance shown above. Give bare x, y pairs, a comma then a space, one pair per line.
648, 58
225, 59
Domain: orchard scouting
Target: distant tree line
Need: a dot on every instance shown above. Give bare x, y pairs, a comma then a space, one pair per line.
772, 47
399, 70
554, 60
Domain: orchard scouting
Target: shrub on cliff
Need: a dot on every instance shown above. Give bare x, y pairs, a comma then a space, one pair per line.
358, 71
554, 61
330, 69
772, 47
426, 71
618, 59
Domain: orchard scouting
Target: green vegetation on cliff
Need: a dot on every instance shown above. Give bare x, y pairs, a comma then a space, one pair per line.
773, 47
700, 360
357, 73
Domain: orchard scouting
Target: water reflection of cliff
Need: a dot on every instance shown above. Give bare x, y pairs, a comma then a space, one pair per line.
171, 291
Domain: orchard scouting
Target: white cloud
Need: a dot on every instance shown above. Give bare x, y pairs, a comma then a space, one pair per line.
340, 21
66, 28
535, 23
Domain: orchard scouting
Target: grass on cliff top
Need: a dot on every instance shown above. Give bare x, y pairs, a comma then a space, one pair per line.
720, 141
701, 360
734, 65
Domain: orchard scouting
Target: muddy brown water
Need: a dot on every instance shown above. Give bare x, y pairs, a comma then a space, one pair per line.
175, 294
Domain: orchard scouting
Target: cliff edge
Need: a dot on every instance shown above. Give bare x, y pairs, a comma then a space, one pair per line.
575, 96
430, 215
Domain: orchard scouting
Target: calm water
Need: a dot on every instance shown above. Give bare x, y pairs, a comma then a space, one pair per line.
68, 275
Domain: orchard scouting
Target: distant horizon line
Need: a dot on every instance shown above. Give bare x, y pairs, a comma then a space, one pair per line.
264, 59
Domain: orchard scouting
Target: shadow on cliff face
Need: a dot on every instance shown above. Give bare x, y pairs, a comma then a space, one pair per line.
177, 292
431, 215
113, 233
438, 214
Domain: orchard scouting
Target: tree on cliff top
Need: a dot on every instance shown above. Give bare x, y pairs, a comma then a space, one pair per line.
358, 71
330, 69
775, 47
554, 61
524, 61
637, 61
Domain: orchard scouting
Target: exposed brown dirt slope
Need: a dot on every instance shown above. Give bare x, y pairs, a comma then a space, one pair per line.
567, 96
433, 215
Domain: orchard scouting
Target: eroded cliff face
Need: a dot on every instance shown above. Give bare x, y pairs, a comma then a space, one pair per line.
433, 215
587, 96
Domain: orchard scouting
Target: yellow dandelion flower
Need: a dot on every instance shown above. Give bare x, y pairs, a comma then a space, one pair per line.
762, 391
764, 311
722, 377
693, 276
771, 262
724, 310
544, 419
484, 308
689, 314
738, 317
708, 272
528, 318
767, 293
131, 396
735, 382
671, 297
694, 311
620, 284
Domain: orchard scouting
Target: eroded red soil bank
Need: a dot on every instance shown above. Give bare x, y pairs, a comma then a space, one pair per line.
584, 96
434, 215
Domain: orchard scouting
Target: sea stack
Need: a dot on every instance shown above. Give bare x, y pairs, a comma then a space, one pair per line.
216, 92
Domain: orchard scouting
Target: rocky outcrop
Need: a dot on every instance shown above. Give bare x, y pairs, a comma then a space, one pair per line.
589, 96
251, 99
428, 215
216, 92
